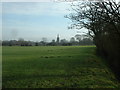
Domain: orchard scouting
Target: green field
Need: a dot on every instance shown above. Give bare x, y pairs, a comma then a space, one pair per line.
54, 67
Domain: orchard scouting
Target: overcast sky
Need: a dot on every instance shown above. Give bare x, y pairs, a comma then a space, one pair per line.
32, 21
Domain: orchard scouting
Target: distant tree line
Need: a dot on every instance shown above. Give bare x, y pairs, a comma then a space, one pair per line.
63, 42
102, 19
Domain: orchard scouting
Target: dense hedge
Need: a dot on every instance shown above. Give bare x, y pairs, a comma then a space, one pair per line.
102, 19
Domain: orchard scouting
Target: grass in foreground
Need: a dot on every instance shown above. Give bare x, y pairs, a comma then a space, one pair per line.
55, 66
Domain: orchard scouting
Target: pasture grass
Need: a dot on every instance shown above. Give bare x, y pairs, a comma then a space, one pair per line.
55, 67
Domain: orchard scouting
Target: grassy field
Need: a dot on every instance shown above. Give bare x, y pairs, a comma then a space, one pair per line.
54, 67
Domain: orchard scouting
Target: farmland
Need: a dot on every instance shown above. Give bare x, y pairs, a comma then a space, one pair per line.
54, 67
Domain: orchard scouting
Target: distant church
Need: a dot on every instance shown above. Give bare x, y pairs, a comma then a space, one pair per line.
58, 39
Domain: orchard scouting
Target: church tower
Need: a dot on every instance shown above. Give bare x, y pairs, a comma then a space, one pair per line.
58, 39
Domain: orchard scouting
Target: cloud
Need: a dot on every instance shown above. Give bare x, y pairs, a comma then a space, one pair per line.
31, 22
0, 21
41, 8
26, 0
0, 7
